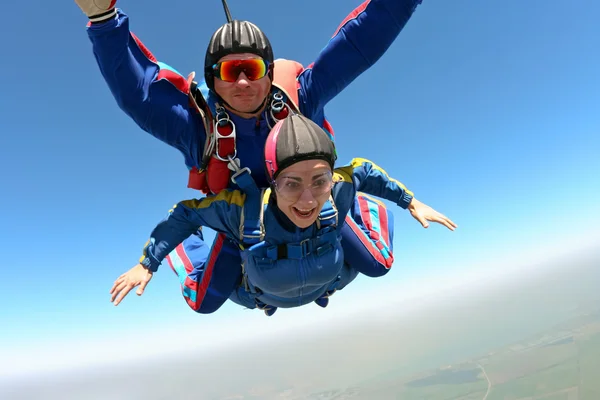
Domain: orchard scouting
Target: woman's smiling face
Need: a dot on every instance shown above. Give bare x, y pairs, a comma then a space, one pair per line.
302, 189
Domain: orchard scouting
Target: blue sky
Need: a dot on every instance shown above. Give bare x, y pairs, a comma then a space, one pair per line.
488, 111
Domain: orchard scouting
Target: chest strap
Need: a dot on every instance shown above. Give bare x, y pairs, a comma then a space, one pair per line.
298, 251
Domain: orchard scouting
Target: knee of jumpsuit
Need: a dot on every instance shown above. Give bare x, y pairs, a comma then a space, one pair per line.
216, 271
361, 251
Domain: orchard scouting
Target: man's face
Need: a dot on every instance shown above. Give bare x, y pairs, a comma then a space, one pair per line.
244, 95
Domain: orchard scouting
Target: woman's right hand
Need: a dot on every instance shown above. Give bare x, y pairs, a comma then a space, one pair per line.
136, 276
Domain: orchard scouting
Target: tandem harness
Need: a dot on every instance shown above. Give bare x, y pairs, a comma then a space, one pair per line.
214, 172
252, 234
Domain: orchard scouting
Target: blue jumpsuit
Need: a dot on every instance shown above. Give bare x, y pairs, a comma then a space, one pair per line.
289, 266
155, 96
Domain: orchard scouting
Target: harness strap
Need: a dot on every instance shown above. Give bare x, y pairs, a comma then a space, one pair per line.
298, 251
285, 78
252, 229
326, 235
199, 103
252, 232
328, 215
224, 135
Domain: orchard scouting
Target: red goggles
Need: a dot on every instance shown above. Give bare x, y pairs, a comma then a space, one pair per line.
230, 70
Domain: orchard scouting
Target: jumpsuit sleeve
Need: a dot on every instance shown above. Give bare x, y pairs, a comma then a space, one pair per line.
221, 212
360, 40
371, 179
153, 94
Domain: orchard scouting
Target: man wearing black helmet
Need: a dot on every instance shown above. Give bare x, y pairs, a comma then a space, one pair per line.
250, 53
227, 117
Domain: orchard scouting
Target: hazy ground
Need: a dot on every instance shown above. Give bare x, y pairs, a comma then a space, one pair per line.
536, 338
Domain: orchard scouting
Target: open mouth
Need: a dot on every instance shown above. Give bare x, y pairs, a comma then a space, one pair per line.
303, 214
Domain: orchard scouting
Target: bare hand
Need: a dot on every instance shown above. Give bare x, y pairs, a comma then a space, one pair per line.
136, 276
423, 213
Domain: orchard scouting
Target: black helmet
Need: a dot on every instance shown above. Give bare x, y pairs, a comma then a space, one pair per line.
236, 37
294, 139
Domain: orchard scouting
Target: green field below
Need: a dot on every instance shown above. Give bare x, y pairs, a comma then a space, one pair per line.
562, 364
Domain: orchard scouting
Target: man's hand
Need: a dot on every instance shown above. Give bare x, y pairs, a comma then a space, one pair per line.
98, 10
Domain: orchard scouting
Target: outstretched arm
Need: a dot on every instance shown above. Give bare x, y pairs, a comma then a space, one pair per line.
221, 213
369, 178
153, 94
360, 40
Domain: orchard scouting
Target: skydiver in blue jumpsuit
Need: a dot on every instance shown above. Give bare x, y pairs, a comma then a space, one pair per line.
291, 237
156, 97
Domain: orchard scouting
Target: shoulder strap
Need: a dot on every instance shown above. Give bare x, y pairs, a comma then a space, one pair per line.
285, 74
328, 217
199, 103
197, 97
252, 229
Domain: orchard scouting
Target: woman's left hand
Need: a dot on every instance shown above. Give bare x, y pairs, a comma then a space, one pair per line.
423, 213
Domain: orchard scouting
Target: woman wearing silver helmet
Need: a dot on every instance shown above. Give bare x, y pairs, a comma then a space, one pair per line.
290, 234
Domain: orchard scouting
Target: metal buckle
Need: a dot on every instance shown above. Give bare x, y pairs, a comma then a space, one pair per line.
333, 215
277, 105
221, 120
304, 246
239, 172
259, 236
234, 165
